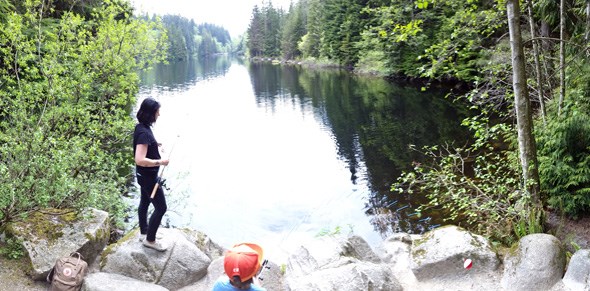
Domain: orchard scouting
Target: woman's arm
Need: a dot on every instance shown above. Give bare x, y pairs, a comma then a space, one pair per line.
141, 160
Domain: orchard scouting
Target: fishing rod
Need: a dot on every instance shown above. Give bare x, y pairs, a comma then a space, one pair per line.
263, 267
160, 181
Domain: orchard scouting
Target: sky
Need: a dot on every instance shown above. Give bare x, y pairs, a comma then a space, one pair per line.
233, 15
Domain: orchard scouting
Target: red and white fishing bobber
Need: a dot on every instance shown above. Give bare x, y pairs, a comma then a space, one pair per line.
467, 264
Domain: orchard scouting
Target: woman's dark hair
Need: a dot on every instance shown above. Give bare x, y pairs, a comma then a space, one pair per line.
147, 111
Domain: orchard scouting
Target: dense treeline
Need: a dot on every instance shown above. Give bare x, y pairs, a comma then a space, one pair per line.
519, 62
186, 39
68, 84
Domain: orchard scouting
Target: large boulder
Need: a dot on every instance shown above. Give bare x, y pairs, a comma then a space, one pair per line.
441, 253
577, 276
395, 251
52, 233
333, 264
537, 262
182, 264
214, 271
352, 276
115, 282
204, 243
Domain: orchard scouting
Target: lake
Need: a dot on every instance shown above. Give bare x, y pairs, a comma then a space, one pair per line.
277, 154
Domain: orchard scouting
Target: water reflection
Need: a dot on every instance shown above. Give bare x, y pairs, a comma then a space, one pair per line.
373, 123
179, 76
298, 150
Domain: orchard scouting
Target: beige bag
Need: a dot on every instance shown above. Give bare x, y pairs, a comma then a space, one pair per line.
68, 273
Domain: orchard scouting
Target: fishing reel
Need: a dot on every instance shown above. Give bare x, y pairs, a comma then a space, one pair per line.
162, 182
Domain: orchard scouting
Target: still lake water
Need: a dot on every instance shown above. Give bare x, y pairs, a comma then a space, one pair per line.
279, 154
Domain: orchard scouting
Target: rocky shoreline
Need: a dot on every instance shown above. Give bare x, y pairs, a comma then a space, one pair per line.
432, 261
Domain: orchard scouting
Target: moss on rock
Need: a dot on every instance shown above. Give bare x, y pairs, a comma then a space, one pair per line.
47, 224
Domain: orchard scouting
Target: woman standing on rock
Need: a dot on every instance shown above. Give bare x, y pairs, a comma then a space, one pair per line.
147, 165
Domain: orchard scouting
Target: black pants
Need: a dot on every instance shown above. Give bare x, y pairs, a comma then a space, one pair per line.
147, 182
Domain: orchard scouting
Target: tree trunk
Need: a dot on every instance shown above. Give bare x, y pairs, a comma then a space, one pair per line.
561, 55
537, 62
587, 36
524, 120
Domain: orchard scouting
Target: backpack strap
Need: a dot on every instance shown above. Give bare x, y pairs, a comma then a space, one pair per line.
79, 257
50, 275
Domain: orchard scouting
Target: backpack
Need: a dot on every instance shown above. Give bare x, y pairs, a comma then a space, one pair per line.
68, 273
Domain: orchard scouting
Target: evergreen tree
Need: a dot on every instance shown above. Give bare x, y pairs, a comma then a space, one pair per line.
310, 42
256, 33
293, 31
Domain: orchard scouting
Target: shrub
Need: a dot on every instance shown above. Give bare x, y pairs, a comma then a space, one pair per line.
477, 187
564, 162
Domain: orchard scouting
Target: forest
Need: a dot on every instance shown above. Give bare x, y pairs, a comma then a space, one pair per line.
522, 65
186, 39
69, 81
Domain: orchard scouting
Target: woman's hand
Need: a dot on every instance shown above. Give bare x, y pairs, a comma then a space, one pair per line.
141, 160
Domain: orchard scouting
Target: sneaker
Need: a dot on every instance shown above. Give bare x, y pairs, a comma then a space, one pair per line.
155, 245
143, 236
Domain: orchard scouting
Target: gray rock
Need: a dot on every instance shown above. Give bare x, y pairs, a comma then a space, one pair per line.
442, 251
214, 271
357, 276
181, 265
536, 263
50, 234
333, 264
394, 248
356, 247
577, 276
115, 282
272, 277
204, 243
313, 256
327, 252
395, 251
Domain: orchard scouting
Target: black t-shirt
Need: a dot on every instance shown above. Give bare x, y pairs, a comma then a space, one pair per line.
143, 135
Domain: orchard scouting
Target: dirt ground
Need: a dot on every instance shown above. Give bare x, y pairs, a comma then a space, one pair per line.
13, 277
575, 234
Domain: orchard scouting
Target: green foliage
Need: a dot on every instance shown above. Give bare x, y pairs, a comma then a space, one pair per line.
477, 187
327, 232
337, 231
532, 222
310, 43
564, 161
12, 249
293, 31
187, 39
265, 31
67, 88
372, 59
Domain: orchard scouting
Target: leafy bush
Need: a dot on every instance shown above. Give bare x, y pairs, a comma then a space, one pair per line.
477, 187
12, 249
564, 162
67, 88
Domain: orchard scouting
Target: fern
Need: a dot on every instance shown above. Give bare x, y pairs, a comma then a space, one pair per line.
564, 162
